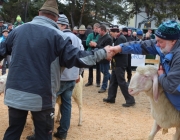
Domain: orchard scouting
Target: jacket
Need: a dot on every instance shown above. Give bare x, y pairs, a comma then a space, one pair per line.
38, 56
72, 73
91, 37
119, 59
170, 81
102, 42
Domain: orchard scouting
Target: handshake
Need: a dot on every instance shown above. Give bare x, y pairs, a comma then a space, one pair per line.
112, 50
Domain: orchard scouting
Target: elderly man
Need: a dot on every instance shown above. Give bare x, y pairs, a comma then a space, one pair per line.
34, 74
167, 46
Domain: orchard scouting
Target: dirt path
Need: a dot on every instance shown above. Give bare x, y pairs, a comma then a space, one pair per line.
102, 121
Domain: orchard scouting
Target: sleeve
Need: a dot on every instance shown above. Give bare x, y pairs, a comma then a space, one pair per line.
70, 56
171, 81
139, 47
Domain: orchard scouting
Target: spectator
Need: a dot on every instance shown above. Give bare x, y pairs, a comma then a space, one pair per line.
18, 21
2, 27
34, 74
88, 30
8, 57
82, 35
75, 30
104, 40
134, 35
10, 27
93, 37
118, 72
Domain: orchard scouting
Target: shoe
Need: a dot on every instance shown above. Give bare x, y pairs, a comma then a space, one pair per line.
60, 137
31, 137
128, 104
101, 91
97, 85
108, 100
88, 84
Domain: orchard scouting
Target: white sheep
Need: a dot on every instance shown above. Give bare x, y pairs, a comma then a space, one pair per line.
164, 113
3, 79
77, 95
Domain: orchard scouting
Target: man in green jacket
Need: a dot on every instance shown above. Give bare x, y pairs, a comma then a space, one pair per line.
93, 37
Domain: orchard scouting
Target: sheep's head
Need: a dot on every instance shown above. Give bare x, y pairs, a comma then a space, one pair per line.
143, 80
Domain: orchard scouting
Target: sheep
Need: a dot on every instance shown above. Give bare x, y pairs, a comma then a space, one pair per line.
77, 95
2, 83
164, 113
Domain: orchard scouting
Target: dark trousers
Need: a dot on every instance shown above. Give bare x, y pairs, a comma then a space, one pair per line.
117, 79
98, 74
43, 122
128, 68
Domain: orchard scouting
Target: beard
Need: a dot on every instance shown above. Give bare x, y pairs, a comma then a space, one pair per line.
166, 49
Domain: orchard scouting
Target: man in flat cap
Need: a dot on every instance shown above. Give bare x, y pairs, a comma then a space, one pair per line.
34, 74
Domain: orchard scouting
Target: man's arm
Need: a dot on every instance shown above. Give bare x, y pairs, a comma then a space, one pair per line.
136, 47
71, 56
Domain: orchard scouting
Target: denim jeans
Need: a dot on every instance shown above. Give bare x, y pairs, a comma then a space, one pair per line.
65, 91
104, 67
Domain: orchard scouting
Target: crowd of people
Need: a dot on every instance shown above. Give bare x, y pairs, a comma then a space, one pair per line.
50, 66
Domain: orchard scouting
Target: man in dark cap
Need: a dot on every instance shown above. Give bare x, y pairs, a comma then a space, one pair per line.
33, 80
118, 64
167, 46
128, 68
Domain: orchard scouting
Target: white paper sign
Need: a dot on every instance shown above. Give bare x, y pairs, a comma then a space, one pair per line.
137, 60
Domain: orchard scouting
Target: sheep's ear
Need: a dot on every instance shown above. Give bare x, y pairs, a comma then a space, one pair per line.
155, 88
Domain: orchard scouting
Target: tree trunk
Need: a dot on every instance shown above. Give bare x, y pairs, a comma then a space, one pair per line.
82, 11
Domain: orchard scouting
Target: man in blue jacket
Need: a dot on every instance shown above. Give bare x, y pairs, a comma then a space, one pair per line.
39, 51
167, 46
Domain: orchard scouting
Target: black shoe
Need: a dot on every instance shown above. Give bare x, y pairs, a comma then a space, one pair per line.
60, 137
108, 101
88, 84
101, 91
97, 85
31, 137
128, 104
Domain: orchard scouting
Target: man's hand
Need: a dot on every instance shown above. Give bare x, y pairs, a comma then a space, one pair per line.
93, 44
160, 70
110, 53
115, 49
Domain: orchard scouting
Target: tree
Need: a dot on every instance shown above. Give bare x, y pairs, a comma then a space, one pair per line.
161, 9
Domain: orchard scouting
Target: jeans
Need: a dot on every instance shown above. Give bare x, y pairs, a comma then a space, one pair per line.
43, 122
65, 91
6, 59
104, 67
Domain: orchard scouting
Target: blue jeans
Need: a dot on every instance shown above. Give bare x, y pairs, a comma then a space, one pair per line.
65, 91
104, 68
